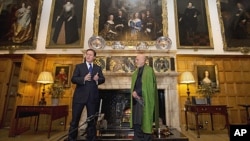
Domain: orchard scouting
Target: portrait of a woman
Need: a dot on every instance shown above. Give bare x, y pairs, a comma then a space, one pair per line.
206, 78
207, 74
109, 31
66, 29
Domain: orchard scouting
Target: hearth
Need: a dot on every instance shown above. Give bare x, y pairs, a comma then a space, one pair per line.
116, 107
127, 135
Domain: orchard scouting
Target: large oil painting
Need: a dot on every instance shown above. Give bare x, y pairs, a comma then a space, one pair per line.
130, 21
66, 25
19, 20
193, 24
235, 24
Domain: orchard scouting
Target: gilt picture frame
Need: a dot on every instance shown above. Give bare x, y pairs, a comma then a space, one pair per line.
207, 74
19, 20
124, 29
73, 23
62, 74
235, 24
193, 28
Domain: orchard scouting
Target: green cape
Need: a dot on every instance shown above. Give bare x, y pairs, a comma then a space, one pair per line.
150, 96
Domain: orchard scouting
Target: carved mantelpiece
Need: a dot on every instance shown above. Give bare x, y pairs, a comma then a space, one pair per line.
165, 80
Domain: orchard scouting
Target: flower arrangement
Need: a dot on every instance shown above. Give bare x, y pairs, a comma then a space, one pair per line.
56, 90
206, 89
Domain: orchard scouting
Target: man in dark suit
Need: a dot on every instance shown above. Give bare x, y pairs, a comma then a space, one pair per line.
87, 76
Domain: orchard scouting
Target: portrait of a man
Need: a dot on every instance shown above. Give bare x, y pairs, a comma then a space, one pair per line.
236, 23
62, 74
192, 20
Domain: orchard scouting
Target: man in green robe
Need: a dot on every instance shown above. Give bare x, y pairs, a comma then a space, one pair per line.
144, 100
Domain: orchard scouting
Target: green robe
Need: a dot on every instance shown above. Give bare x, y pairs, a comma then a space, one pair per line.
150, 96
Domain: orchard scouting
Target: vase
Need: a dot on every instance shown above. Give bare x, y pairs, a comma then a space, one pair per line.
208, 100
55, 101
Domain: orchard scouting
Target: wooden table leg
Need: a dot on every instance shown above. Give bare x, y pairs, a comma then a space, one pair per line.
37, 121
227, 123
247, 112
248, 118
16, 126
50, 124
65, 122
212, 121
197, 125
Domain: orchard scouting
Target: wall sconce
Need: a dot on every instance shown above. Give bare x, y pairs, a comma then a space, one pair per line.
187, 78
44, 78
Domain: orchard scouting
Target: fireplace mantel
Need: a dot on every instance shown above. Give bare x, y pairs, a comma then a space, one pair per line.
134, 52
166, 81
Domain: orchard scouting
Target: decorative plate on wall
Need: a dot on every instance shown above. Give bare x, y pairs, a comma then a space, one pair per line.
96, 42
118, 45
142, 46
163, 43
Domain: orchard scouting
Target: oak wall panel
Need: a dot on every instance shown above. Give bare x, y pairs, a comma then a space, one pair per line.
238, 77
246, 76
245, 65
229, 77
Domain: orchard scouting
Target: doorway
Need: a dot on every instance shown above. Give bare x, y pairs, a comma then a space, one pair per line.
10, 100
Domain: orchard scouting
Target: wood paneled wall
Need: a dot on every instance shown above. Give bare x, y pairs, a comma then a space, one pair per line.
234, 82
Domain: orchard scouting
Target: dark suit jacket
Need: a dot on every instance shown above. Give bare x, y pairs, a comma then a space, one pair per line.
86, 91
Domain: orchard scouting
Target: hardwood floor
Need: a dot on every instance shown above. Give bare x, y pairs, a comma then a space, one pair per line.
207, 135
217, 135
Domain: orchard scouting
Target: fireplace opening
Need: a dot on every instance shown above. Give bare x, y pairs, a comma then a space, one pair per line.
116, 106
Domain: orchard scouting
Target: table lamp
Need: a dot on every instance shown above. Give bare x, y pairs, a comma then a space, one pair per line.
44, 78
187, 78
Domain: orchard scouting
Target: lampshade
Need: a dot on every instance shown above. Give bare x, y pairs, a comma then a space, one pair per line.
187, 77
45, 78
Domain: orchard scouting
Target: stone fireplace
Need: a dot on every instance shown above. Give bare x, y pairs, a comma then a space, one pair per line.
166, 77
166, 82
116, 106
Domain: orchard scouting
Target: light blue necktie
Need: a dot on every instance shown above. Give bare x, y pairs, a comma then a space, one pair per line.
90, 68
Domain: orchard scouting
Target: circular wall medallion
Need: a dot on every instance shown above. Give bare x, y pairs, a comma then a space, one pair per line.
161, 64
